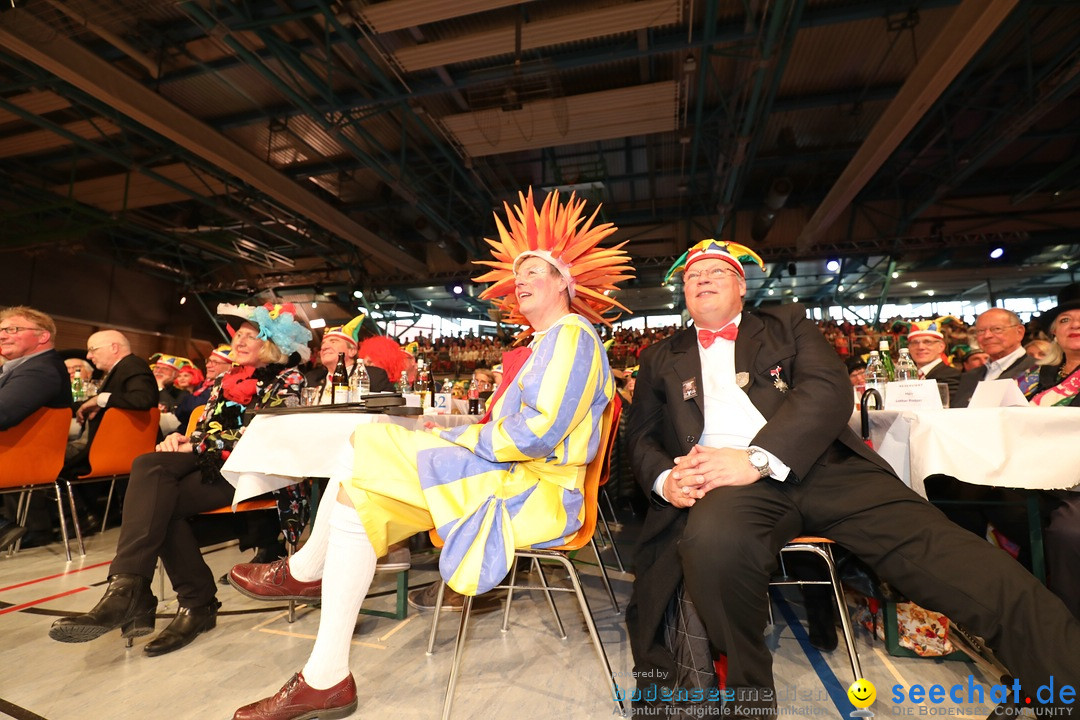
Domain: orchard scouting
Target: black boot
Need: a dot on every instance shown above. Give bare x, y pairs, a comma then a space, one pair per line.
188, 623
128, 604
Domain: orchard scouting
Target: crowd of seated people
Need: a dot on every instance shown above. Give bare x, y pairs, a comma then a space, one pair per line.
1043, 360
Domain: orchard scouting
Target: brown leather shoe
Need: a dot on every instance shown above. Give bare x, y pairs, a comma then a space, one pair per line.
423, 599
299, 701
272, 581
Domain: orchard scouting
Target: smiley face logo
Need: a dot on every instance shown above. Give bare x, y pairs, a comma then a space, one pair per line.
862, 693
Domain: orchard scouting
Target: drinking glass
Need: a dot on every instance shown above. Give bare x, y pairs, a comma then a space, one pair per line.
943, 391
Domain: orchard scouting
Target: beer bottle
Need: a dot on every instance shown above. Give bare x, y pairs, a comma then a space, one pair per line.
422, 388
339, 382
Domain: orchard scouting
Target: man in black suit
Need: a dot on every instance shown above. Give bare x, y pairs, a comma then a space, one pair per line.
33, 377
343, 339
927, 345
128, 384
739, 432
1000, 334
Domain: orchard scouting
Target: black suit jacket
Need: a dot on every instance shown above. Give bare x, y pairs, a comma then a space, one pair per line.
40, 381
131, 386
948, 375
802, 425
969, 380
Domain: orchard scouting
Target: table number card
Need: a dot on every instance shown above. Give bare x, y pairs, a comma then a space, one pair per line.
912, 395
441, 406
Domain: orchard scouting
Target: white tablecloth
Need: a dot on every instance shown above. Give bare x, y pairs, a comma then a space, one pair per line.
280, 450
1018, 447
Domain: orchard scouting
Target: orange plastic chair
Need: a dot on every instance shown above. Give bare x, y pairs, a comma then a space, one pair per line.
194, 418
593, 472
122, 436
822, 547
31, 456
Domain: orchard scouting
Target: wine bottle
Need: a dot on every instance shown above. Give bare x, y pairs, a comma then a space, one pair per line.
339, 382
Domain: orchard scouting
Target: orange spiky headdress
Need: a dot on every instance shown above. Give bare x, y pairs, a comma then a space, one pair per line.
557, 235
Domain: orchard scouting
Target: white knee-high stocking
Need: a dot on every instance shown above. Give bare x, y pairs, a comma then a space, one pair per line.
306, 564
349, 567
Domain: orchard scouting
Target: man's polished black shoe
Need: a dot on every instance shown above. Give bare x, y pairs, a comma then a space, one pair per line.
127, 604
184, 628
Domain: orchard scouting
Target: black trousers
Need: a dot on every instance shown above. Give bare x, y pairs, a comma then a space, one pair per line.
733, 535
1063, 551
166, 489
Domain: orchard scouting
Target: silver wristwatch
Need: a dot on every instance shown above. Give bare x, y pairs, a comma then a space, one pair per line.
760, 461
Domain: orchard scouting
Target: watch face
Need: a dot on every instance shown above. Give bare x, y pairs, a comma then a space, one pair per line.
759, 459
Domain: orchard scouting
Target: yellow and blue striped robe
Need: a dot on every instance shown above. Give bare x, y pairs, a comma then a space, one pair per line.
515, 481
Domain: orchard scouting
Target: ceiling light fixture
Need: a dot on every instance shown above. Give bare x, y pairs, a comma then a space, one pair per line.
832, 265
996, 253
357, 294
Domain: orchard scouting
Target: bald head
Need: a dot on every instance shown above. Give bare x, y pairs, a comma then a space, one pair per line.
106, 348
999, 332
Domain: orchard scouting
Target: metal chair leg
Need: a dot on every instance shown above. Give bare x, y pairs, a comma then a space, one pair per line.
614, 547
593, 633
550, 599
459, 646
435, 619
63, 522
845, 617
74, 517
510, 594
605, 578
22, 511
108, 504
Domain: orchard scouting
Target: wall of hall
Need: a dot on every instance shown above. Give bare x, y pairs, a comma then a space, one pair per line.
85, 294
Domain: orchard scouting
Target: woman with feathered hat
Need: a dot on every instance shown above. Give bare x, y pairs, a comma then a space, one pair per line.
182, 479
515, 481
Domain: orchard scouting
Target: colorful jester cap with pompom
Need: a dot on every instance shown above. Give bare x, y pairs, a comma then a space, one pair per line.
559, 235
730, 252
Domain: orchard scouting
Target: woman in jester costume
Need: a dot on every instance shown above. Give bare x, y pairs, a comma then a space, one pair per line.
515, 481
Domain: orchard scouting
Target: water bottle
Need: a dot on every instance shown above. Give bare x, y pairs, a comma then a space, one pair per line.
886, 360
905, 366
875, 373
77, 392
359, 384
403, 383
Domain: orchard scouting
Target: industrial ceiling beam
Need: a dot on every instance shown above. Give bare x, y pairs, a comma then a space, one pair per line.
86, 71
970, 26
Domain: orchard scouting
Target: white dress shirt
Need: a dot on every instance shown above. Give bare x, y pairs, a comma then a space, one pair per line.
731, 420
994, 368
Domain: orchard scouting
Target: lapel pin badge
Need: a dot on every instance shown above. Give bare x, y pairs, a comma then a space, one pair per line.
689, 389
742, 379
777, 381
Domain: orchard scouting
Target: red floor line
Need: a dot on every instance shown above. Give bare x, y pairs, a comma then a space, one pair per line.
23, 606
53, 577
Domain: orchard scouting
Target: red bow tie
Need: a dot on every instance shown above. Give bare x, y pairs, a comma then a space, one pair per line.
728, 332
